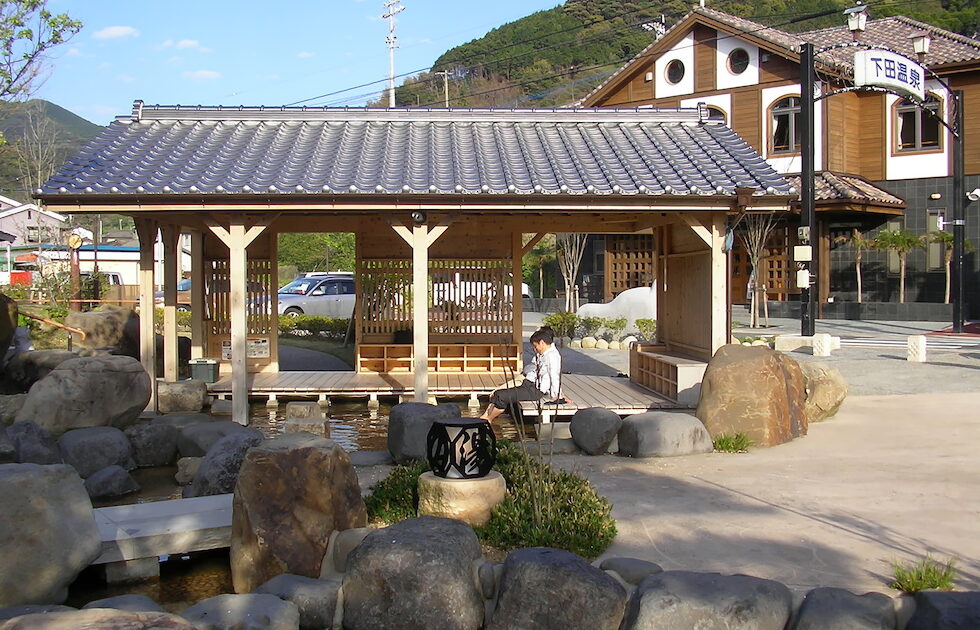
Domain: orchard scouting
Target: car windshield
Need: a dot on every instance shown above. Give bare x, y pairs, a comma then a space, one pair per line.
300, 286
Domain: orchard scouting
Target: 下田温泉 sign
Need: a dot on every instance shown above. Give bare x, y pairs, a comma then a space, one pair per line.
886, 69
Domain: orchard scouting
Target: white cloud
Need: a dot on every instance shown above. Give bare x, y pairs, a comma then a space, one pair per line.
125, 78
304, 55
116, 32
185, 44
175, 59
203, 75
73, 52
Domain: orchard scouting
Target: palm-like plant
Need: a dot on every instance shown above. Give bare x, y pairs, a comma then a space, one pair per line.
860, 242
902, 242
946, 240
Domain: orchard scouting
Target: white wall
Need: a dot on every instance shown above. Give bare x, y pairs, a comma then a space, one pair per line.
790, 163
683, 51
724, 78
916, 165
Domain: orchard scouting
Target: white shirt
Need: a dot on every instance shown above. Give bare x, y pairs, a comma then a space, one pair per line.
545, 371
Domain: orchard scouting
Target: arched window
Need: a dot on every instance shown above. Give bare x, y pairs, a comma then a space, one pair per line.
717, 114
917, 128
784, 117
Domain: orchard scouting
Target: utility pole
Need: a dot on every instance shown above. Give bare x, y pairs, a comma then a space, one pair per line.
445, 85
808, 304
392, 8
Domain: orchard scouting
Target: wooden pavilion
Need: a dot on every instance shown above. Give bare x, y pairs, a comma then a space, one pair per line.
439, 200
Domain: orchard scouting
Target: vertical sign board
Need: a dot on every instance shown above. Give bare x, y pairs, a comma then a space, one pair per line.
882, 68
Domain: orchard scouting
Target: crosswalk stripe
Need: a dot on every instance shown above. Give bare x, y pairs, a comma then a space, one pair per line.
935, 343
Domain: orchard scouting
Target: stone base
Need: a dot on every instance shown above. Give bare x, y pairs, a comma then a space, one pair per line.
467, 500
128, 571
316, 426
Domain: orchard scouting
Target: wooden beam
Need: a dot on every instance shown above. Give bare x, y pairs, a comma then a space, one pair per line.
198, 341
170, 238
703, 231
527, 247
146, 230
720, 331
420, 311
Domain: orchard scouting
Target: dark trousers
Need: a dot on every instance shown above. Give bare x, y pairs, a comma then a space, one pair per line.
504, 398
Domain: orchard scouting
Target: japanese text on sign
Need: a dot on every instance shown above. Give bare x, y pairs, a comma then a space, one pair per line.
886, 69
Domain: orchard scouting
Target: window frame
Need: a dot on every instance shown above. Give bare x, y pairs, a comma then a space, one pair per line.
719, 110
794, 121
729, 64
675, 63
898, 107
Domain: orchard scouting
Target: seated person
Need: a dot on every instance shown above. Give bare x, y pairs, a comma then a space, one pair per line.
542, 377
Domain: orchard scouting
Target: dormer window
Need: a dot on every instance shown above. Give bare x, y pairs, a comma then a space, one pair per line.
917, 128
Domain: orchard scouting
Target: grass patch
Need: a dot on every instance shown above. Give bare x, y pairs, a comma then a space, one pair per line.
738, 443
926, 573
328, 346
574, 517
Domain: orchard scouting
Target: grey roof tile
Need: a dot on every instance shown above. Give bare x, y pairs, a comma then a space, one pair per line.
261, 151
834, 186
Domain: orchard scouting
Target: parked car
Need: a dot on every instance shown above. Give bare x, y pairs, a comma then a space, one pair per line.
183, 295
326, 296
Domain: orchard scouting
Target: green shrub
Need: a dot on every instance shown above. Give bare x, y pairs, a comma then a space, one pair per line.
573, 516
738, 443
923, 574
647, 328
563, 324
614, 328
312, 325
183, 319
589, 326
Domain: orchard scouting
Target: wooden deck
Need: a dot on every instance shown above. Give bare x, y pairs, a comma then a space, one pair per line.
581, 391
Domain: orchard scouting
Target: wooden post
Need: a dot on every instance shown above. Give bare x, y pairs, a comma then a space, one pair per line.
170, 237
198, 341
146, 230
517, 268
720, 333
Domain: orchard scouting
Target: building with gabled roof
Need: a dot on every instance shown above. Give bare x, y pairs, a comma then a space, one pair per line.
882, 162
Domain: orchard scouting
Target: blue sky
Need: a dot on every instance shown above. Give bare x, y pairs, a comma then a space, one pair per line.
225, 52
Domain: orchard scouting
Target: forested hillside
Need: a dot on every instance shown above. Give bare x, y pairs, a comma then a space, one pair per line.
554, 57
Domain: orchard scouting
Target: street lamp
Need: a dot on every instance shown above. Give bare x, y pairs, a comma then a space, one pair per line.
857, 20
920, 44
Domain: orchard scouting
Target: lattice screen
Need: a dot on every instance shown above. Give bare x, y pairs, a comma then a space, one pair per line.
629, 262
258, 297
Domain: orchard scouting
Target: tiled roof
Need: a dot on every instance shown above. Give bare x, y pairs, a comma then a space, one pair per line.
177, 150
832, 186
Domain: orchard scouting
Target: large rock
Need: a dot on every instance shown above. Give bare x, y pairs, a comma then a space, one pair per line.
29, 367
663, 434
195, 440
568, 592
110, 482
825, 390
94, 448
838, 609
47, 533
181, 420
8, 452
10, 404
32, 444
755, 391
415, 575
31, 609
219, 468
315, 599
188, 396
945, 611
8, 324
408, 427
109, 326
152, 444
632, 570
88, 392
255, 611
187, 468
292, 493
99, 619
594, 429
683, 599
130, 603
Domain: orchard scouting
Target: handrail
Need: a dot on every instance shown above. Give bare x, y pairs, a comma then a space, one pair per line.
51, 322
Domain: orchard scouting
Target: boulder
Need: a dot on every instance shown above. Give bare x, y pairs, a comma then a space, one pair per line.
589, 342
32, 444
219, 468
254, 611
31, 609
88, 392
188, 396
663, 434
341, 544
594, 429
111, 481
408, 427
414, 575
181, 420
10, 404
490, 574
370, 458
29, 367
684, 599
568, 593
601, 344
292, 493
195, 440
130, 603
221, 407
825, 390
315, 426
187, 468
756, 391
942, 609
838, 609
152, 444
315, 599
632, 570
304, 409
47, 533
8, 323
99, 619
94, 448
8, 452
109, 326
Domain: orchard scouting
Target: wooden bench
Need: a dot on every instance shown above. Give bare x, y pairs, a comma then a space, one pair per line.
672, 375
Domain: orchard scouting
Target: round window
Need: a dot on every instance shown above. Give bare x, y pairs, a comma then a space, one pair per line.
675, 71
738, 61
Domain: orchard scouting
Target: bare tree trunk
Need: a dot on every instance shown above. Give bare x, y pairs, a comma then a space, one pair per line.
755, 233
37, 149
570, 248
901, 278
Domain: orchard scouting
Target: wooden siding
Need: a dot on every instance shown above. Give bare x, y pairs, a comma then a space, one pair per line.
841, 137
778, 68
970, 84
746, 117
871, 135
704, 58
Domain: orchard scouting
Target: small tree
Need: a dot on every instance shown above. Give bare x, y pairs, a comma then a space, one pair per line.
860, 242
756, 229
570, 250
27, 31
946, 240
902, 242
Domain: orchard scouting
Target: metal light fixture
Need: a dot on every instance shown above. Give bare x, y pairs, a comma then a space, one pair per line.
857, 20
920, 44
461, 448
418, 217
